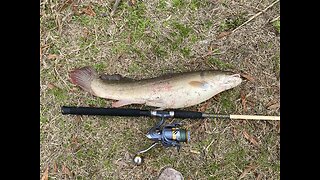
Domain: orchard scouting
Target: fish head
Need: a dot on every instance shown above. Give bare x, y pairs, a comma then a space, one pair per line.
225, 80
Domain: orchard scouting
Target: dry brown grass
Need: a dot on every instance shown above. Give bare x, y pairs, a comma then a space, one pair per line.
146, 40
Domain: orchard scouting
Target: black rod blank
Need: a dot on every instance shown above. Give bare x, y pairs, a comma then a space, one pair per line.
126, 112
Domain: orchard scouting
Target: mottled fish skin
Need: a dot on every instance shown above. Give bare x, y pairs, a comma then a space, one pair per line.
166, 92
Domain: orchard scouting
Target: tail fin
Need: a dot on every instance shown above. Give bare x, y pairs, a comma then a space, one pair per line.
83, 77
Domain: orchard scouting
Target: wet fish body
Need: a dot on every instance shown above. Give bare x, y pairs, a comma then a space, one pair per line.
165, 92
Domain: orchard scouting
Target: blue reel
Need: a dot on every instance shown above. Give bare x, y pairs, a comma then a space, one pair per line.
168, 135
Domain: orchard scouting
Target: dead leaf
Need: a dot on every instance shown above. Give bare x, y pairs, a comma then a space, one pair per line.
66, 171
250, 101
274, 106
52, 56
132, 2
75, 9
74, 139
78, 119
65, 4
198, 126
204, 106
45, 174
223, 34
248, 77
235, 132
74, 89
195, 152
75, 146
207, 54
250, 138
42, 48
259, 177
55, 167
129, 39
88, 11
212, 47
85, 33
247, 171
243, 101
120, 163
273, 101
127, 156
40, 54
112, 29
51, 86
216, 97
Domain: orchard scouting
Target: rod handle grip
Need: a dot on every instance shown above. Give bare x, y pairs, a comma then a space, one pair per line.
103, 111
187, 114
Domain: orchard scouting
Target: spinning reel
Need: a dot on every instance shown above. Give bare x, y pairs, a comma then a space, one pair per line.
168, 135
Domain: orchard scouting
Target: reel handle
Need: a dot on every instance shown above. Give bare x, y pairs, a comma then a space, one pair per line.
138, 159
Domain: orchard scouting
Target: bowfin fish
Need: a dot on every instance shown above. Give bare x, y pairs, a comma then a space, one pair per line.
169, 91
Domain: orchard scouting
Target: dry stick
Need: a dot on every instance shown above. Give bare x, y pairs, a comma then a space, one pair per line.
40, 54
209, 145
275, 19
115, 6
61, 78
256, 15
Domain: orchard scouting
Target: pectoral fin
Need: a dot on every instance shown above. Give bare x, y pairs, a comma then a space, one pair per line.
199, 84
125, 102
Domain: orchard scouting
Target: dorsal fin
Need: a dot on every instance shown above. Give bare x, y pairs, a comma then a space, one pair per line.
114, 77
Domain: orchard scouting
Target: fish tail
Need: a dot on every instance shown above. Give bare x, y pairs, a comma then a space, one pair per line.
83, 77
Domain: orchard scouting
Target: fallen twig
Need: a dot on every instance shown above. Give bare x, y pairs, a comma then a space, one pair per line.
256, 15
275, 19
195, 152
207, 148
115, 6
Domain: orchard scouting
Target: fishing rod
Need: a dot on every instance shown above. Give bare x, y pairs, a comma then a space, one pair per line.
170, 135
156, 113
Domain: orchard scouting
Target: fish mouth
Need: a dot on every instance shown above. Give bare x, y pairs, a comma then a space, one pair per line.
232, 80
236, 75
232, 74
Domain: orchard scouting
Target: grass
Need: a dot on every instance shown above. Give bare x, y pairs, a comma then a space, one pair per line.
232, 22
147, 40
227, 101
276, 25
276, 65
219, 63
59, 94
